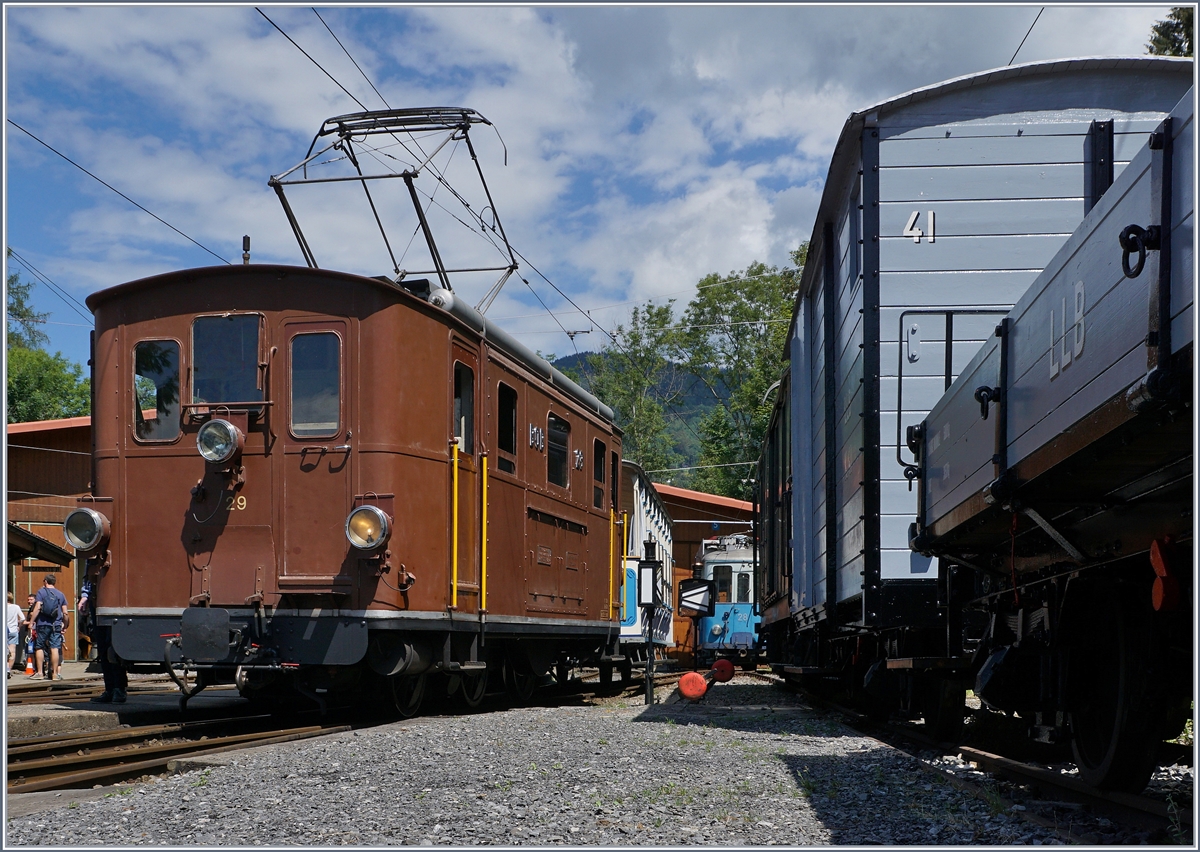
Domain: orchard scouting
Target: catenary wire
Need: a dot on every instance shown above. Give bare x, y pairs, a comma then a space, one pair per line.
1027, 32
313, 61
118, 192
356, 65
71, 301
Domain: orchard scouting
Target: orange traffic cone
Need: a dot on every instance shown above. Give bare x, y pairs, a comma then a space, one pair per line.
29, 665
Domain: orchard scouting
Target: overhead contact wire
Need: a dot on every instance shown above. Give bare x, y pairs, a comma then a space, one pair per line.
117, 191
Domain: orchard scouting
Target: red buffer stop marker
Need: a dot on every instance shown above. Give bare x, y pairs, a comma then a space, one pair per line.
694, 685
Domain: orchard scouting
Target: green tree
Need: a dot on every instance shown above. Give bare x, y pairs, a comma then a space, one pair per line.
734, 342
42, 386
1173, 37
24, 323
635, 375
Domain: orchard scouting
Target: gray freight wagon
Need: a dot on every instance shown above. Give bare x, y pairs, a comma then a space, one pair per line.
1056, 475
940, 208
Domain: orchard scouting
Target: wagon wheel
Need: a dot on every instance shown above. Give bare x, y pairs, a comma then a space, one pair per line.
1110, 697
626, 670
407, 694
945, 707
520, 685
472, 688
606, 675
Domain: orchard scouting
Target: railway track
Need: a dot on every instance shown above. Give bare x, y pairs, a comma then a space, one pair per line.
82, 759
68, 691
1041, 794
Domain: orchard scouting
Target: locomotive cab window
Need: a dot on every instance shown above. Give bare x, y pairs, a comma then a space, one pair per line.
723, 574
464, 406
743, 588
558, 435
316, 385
598, 455
507, 429
225, 359
156, 390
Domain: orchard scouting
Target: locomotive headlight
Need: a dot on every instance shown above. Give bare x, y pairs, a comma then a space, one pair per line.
86, 530
219, 441
368, 528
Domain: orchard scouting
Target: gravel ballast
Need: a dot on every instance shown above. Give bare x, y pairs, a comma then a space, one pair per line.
615, 774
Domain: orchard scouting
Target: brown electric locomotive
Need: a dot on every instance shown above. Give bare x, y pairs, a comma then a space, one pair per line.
309, 480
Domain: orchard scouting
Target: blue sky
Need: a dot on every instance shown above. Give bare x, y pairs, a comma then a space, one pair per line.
646, 146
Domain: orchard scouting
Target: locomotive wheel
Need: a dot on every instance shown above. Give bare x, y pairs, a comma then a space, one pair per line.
520, 685
1110, 698
407, 693
945, 709
472, 687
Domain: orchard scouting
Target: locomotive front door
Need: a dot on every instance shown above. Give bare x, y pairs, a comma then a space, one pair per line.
464, 370
314, 387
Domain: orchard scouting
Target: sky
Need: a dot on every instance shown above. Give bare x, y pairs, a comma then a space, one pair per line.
633, 149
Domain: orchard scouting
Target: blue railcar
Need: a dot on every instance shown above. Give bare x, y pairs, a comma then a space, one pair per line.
731, 632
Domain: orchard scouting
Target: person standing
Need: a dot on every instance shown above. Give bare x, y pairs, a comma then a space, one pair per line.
27, 631
86, 620
49, 611
116, 681
13, 624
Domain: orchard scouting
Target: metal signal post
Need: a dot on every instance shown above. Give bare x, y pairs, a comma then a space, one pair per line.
648, 599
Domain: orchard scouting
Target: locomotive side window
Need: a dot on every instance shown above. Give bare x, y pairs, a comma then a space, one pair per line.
558, 433
316, 385
225, 358
598, 453
156, 390
464, 406
507, 425
614, 480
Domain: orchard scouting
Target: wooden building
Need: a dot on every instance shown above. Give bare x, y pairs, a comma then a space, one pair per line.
49, 466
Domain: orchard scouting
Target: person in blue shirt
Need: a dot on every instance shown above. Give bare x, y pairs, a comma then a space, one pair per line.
49, 612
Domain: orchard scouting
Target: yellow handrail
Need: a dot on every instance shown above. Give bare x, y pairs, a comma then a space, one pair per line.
483, 538
612, 534
454, 532
624, 554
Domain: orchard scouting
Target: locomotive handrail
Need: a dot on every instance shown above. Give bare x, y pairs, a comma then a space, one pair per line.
483, 521
454, 525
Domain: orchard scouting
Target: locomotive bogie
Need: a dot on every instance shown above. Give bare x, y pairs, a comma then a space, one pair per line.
319, 476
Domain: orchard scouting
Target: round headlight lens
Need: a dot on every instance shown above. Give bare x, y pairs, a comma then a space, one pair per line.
86, 529
218, 441
368, 528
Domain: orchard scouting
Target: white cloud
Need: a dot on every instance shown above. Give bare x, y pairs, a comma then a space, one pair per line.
647, 145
